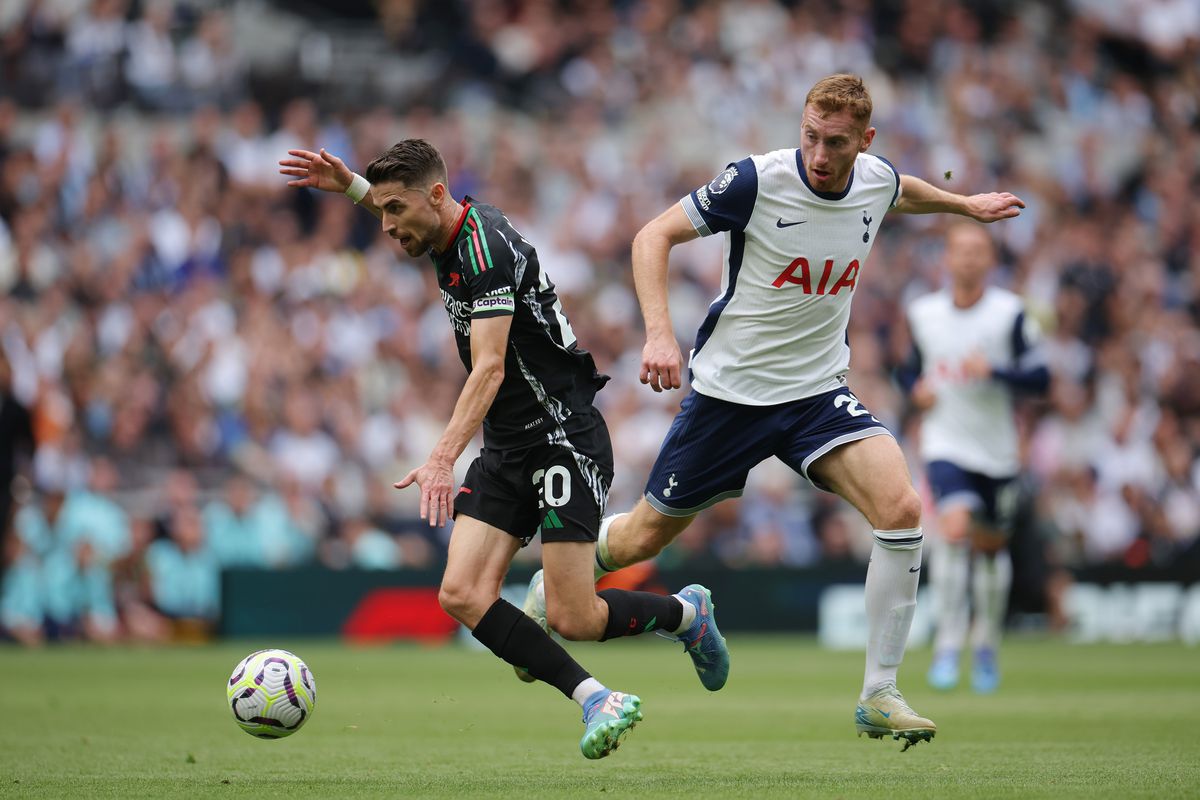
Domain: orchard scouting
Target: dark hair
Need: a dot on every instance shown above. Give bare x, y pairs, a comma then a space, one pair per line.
413, 162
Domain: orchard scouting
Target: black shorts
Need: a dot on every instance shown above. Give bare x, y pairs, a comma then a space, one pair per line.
557, 490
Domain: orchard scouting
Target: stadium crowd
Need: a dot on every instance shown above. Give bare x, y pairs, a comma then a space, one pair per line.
200, 368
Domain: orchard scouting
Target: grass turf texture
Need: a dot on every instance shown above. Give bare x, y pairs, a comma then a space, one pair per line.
409, 721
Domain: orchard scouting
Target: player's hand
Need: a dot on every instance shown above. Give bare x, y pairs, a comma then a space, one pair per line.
661, 363
322, 170
977, 367
993, 206
437, 491
923, 396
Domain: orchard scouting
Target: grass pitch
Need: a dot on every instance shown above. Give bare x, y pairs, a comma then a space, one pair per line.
411, 721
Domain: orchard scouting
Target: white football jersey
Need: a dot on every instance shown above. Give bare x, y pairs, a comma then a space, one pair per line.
971, 425
777, 332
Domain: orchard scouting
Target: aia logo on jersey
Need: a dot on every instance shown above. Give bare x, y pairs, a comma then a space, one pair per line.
951, 371
799, 273
455, 279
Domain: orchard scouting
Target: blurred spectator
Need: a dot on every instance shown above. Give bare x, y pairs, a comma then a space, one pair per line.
360, 544
22, 611
16, 448
95, 40
90, 514
69, 553
211, 68
302, 450
184, 573
293, 523
232, 527
152, 60
134, 592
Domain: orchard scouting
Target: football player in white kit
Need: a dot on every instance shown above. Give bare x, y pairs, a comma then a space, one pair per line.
770, 361
973, 347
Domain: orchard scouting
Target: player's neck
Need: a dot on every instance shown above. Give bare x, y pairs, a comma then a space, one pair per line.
450, 221
967, 296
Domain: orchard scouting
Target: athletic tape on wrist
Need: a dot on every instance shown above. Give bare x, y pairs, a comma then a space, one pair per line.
358, 188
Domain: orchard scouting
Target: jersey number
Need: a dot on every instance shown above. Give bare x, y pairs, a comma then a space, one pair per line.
853, 407
550, 494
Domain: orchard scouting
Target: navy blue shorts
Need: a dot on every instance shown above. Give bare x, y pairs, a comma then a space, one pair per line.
993, 501
713, 444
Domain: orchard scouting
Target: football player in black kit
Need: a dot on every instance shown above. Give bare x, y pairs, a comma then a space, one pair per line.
546, 463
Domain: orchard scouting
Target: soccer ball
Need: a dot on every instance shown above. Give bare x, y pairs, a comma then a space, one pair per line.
272, 693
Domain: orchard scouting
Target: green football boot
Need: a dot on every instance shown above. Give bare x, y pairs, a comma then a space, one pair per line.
608, 716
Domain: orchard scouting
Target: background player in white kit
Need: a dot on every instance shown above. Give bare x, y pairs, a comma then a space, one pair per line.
770, 361
973, 347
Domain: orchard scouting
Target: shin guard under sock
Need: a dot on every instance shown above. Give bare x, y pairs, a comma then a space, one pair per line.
520, 641
631, 613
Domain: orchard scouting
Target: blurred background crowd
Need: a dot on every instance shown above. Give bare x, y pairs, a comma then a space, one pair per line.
201, 368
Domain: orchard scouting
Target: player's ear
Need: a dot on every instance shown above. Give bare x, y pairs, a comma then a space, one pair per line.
868, 136
437, 194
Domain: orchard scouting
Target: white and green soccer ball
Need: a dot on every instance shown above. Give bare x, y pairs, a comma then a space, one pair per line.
272, 693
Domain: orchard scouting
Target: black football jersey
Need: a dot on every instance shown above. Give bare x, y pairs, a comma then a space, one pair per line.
489, 270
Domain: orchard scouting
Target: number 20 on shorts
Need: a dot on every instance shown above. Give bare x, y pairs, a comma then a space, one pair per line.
554, 486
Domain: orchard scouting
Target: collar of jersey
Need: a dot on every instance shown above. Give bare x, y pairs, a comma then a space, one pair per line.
458, 227
823, 195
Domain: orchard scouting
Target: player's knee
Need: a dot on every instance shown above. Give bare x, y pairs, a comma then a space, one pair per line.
954, 525
574, 625
904, 511
573, 630
462, 601
451, 601
988, 541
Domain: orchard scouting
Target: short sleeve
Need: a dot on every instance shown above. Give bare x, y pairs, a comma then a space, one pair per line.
725, 203
488, 266
896, 175
1026, 340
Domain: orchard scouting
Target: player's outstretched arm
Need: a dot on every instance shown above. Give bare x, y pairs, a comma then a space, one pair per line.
489, 343
323, 171
919, 197
661, 360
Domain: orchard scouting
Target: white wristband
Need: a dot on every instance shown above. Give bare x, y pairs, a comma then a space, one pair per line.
358, 188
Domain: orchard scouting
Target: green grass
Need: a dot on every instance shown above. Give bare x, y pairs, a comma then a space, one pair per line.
409, 721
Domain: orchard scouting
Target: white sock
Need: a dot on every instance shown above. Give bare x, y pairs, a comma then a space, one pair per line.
990, 584
891, 600
950, 569
689, 615
604, 561
585, 690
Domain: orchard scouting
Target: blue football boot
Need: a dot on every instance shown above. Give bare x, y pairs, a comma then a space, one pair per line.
702, 641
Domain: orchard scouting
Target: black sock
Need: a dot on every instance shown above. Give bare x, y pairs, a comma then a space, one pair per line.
631, 613
520, 641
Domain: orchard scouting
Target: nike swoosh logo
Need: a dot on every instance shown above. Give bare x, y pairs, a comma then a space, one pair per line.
779, 223
915, 569
885, 714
